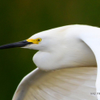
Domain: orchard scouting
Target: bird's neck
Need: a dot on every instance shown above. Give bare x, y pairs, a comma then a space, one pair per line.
62, 58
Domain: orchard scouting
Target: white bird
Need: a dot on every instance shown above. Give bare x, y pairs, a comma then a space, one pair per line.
66, 62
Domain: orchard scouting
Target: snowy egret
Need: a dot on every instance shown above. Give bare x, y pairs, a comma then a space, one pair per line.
66, 63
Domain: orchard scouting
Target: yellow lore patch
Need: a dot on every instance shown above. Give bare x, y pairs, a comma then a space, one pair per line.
34, 41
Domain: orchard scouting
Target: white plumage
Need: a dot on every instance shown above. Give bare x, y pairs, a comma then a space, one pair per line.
64, 84
66, 63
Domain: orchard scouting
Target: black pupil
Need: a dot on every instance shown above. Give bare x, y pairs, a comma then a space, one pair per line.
38, 39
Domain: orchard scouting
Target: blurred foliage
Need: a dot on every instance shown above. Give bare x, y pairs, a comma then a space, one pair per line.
19, 19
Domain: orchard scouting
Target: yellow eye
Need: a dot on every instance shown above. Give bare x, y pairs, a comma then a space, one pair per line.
39, 39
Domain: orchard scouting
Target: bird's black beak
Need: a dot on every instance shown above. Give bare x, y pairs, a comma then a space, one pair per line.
16, 44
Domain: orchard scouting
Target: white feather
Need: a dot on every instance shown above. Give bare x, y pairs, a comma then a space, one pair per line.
64, 84
68, 56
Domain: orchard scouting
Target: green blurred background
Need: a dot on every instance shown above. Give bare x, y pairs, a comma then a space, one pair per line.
19, 19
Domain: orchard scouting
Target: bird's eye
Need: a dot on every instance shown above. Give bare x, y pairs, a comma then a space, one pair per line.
38, 39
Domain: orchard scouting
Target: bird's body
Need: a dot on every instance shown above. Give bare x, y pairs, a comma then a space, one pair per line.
67, 47
76, 83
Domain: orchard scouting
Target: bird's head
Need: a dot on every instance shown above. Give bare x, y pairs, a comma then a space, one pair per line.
41, 41
48, 42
